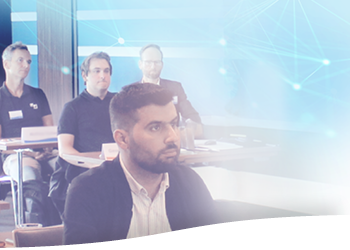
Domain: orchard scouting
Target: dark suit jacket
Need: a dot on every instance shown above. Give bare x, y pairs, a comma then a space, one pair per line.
183, 105
99, 204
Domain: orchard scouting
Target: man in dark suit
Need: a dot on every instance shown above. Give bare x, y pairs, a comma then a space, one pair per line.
151, 65
144, 190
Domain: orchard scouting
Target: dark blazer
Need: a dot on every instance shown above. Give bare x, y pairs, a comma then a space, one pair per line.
99, 204
182, 104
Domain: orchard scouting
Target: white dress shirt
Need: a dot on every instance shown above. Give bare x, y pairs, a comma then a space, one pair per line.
148, 217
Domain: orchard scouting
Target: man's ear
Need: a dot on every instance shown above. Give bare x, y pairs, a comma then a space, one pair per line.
5, 64
121, 137
83, 75
140, 64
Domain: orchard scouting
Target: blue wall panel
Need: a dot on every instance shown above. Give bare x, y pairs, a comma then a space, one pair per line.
140, 32
26, 32
23, 5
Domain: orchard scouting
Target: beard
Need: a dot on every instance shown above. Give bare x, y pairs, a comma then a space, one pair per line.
154, 164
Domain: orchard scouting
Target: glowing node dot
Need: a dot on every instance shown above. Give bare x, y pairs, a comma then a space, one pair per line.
65, 70
296, 86
223, 42
326, 62
121, 40
222, 71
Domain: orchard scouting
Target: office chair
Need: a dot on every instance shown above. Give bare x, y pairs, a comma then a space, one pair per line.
38, 236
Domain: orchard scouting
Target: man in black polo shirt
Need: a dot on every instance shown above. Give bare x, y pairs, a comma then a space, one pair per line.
21, 106
84, 124
24, 106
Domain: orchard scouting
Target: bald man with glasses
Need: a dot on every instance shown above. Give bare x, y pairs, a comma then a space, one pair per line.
151, 65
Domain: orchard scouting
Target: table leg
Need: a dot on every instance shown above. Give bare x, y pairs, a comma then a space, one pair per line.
14, 202
20, 220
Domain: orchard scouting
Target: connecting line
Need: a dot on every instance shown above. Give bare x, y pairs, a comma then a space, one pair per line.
295, 43
311, 74
312, 30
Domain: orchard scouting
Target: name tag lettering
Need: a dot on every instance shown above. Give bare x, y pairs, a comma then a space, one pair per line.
17, 114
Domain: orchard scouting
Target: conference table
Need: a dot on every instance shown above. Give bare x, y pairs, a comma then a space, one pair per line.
6, 240
203, 153
17, 145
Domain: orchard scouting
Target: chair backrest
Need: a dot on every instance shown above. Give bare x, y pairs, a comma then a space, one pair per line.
38, 236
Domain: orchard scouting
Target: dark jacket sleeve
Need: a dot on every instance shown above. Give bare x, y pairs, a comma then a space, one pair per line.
188, 200
98, 206
183, 105
80, 214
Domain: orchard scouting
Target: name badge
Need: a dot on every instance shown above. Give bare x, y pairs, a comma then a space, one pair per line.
17, 114
175, 99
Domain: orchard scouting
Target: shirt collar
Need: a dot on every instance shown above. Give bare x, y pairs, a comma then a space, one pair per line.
158, 83
136, 187
8, 93
90, 97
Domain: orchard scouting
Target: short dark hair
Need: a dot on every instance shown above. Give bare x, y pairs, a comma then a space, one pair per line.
7, 54
124, 105
151, 46
101, 55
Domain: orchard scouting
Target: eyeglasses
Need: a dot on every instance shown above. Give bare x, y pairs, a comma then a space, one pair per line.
97, 71
149, 63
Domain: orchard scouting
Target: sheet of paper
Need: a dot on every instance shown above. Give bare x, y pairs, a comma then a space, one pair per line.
39, 134
8, 141
218, 146
109, 151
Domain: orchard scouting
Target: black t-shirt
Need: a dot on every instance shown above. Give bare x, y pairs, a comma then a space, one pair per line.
87, 118
24, 111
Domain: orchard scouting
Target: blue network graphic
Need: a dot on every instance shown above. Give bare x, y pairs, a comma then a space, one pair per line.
276, 60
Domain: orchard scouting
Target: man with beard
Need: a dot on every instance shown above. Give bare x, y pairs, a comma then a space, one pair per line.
151, 65
144, 190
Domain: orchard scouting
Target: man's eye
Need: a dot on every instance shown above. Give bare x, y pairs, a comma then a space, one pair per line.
155, 128
174, 125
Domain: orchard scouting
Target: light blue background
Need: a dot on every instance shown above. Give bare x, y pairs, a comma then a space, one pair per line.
272, 48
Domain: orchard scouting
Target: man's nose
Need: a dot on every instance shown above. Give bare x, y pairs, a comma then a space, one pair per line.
153, 64
173, 134
26, 64
102, 75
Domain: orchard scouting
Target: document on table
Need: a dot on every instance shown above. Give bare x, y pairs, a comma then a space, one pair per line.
9, 141
218, 146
